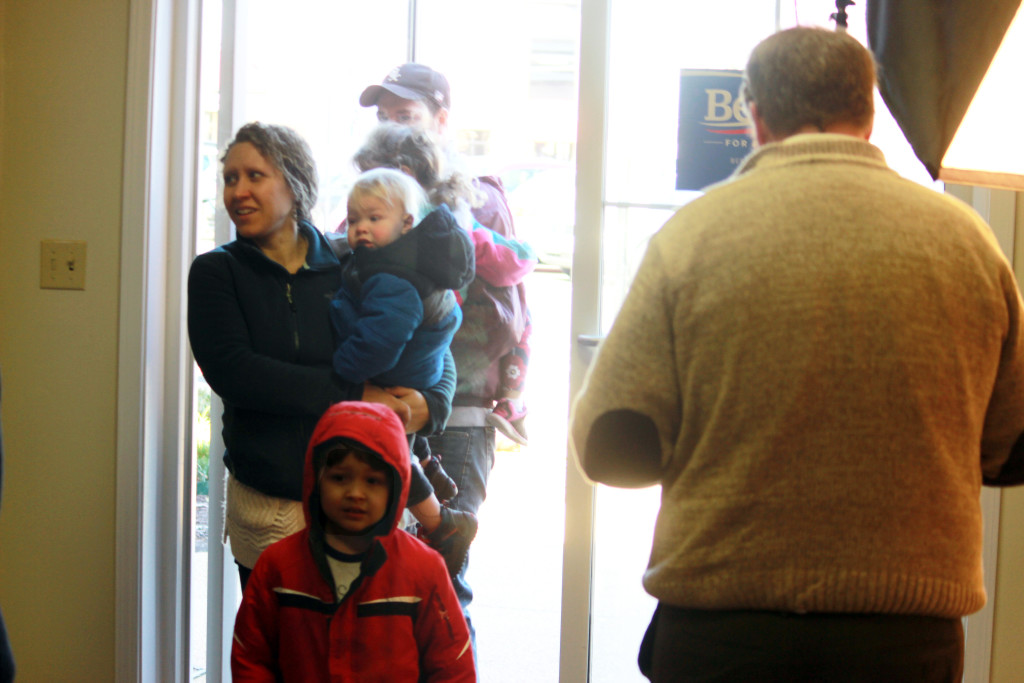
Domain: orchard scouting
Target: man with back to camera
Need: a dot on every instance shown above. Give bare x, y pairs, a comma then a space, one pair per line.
821, 363
495, 325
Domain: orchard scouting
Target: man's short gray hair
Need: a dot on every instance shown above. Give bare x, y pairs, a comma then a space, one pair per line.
810, 76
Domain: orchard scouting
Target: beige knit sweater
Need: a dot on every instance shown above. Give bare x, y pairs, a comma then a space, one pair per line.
829, 357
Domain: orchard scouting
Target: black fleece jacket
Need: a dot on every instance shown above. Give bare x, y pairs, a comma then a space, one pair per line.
263, 340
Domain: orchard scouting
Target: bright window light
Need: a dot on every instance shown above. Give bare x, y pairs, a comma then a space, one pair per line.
988, 148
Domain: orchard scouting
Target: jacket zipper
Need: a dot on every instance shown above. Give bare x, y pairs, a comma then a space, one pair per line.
303, 437
294, 310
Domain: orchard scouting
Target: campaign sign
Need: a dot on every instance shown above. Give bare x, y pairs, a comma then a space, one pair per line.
713, 124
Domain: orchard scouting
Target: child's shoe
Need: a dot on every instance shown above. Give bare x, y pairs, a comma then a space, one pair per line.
444, 486
452, 537
509, 419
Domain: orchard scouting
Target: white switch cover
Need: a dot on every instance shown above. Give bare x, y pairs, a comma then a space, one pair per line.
62, 264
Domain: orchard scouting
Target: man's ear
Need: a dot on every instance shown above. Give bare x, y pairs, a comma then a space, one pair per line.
441, 121
761, 133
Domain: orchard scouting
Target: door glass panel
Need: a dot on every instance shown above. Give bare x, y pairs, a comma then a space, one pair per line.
514, 115
650, 42
304, 67
207, 199
512, 69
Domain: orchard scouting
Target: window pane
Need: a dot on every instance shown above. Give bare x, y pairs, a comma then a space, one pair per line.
512, 69
305, 68
651, 41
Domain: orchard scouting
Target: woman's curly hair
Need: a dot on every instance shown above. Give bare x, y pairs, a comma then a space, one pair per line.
418, 153
289, 153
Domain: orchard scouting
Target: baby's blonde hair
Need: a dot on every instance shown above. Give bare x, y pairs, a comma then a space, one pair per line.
394, 188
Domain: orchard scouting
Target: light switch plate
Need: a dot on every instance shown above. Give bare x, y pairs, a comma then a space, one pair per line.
62, 264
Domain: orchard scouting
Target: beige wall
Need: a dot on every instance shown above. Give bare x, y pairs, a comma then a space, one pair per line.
61, 144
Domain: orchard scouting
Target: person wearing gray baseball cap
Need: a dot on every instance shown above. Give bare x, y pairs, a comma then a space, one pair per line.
496, 322
411, 94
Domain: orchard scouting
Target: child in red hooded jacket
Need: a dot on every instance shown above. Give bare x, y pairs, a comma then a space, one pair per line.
352, 597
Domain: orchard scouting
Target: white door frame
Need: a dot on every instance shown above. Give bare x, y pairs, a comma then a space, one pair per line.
153, 523
998, 208
578, 553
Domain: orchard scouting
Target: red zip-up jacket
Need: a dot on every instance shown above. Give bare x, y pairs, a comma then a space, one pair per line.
400, 620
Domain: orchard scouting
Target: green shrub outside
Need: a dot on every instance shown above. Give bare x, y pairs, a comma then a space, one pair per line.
203, 441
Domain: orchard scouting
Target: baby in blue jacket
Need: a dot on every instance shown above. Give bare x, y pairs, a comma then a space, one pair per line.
396, 313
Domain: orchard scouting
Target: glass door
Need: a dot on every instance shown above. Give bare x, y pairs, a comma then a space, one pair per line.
513, 115
631, 57
574, 104
632, 54
299, 68
512, 69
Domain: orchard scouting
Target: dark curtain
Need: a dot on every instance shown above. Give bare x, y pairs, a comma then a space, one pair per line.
932, 56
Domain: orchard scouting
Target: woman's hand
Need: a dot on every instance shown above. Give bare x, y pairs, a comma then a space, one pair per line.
375, 394
416, 404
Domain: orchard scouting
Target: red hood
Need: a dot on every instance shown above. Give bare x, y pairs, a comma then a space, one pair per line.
376, 427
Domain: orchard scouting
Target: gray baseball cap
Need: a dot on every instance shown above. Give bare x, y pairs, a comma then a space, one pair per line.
411, 82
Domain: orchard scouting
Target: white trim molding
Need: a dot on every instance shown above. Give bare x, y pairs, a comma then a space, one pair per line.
153, 512
578, 550
997, 207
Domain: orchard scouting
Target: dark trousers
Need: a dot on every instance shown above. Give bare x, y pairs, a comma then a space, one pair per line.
243, 575
6, 656
420, 487
700, 645
467, 454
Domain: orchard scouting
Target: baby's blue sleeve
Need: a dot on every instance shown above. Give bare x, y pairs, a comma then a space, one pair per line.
373, 328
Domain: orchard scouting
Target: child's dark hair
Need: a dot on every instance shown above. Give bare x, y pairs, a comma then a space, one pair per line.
339, 452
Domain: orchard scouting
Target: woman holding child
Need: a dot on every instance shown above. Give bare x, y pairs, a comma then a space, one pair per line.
260, 331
